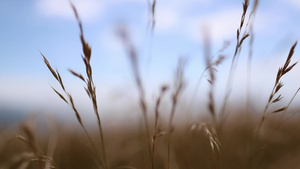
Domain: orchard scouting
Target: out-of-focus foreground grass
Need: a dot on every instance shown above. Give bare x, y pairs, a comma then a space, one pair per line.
277, 146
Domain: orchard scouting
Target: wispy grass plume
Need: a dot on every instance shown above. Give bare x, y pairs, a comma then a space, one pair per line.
152, 13
157, 131
35, 155
89, 88
250, 54
179, 84
274, 96
133, 58
240, 38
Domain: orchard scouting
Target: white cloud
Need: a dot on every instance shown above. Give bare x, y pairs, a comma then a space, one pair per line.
295, 2
168, 15
166, 19
126, 1
88, 10
221, 25
270, 22
175, 17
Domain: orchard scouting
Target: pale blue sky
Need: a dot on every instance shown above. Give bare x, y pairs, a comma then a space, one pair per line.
49, 26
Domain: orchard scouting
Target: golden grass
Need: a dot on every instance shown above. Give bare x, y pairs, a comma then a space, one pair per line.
238, 47
277, 86
196, 146
209, 143
157, 131
89, 88
133, 58
179, 85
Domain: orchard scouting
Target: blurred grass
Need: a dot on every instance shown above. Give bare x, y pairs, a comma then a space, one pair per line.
276, 147
235, 138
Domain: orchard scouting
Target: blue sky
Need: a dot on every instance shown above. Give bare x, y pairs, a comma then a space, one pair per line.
49, 26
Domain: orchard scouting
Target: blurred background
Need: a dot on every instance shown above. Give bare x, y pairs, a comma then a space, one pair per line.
49, 26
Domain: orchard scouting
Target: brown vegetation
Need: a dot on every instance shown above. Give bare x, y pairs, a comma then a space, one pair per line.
240, 141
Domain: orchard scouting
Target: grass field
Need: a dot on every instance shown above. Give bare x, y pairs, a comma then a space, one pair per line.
246, 139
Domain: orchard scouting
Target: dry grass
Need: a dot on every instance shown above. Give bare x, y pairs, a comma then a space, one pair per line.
89, 88
250, 54
193, 147
209, 143
274, 96
152, 11
239, 42
157, 131
132, 54
179, 85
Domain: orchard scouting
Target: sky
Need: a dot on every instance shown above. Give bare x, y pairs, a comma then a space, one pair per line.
49, 26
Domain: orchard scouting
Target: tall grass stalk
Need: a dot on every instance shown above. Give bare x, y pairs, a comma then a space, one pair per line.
275, 97
283, 113
152, 13
69, 101
157, 132
90, 87
210, 132
211, 80
276, 88
35, 155
250, 54
133, 58
179, 85
240, 38
212, 63
281, 119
